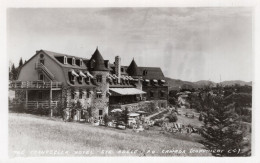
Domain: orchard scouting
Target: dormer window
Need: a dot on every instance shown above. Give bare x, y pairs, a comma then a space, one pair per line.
144, 72
81, 63
73, 61
65, 60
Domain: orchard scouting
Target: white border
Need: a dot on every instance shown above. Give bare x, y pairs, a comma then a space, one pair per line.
124, 3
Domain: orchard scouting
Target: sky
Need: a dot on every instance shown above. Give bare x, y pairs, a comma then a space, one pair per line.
187, 43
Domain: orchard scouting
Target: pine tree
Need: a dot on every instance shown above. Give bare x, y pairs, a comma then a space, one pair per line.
221, 129
13, 73
20, 62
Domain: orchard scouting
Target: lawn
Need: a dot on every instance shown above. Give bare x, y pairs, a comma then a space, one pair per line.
31, 135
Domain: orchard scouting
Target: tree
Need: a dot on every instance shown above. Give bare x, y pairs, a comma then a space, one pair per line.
13, 73
221, 128
20, 62
172, 101
125, 115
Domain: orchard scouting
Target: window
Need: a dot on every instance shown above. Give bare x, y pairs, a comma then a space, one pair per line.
122, 69
65, 60
88, 94
144, 72
81, 63
99, 95
40, 95
99, 78
42, 61
92, 63
73, 61
80, 94
162, 94
41, 77
80, 79
100, 112
151, 94
71, 77
87, 79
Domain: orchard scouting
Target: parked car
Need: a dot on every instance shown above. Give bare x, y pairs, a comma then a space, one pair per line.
121, 125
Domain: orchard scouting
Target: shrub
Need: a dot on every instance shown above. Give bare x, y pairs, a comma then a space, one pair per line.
19, 108
107, 119
172, 117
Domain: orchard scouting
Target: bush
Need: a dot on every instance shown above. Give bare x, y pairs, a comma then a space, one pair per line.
19, 108
172, 117
107, 119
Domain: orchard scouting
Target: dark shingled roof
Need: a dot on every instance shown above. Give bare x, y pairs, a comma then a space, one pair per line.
152, 73
132, 70
99, 63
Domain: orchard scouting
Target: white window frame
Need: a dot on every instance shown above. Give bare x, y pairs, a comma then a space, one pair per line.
81, 63
39, 77
65, 60
73, 61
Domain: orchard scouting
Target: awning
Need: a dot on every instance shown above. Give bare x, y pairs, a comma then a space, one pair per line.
114, 75
74, 73
133, 114
82, 74
147, 80
127, 91
88, 74
99, 92
163, 81
154, 80
111, 76
109, 93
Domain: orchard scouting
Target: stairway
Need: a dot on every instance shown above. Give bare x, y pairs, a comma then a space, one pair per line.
42, 68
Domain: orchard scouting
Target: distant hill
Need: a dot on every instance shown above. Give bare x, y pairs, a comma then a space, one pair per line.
233, 82
202, 83
176, 84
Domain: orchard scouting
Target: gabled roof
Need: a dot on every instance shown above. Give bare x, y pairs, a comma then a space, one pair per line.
98, 62
132, 70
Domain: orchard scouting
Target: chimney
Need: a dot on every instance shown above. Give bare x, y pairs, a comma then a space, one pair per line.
118, 68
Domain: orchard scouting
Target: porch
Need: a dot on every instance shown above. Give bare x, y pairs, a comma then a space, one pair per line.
14, 85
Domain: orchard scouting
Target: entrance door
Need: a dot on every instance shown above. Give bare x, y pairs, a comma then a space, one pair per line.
100, 114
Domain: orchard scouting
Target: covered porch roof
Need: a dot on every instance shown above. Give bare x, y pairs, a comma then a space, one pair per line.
125, 91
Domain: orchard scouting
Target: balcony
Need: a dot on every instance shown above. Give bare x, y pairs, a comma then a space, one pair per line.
34, 85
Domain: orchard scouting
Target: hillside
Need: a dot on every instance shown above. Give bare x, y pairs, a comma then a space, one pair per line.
45, 136
176, 84
233, 82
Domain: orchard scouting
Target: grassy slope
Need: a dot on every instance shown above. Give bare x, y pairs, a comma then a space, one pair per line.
30, 132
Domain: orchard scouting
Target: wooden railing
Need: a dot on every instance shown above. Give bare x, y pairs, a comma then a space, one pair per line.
40, 66
34, 84
44, 104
